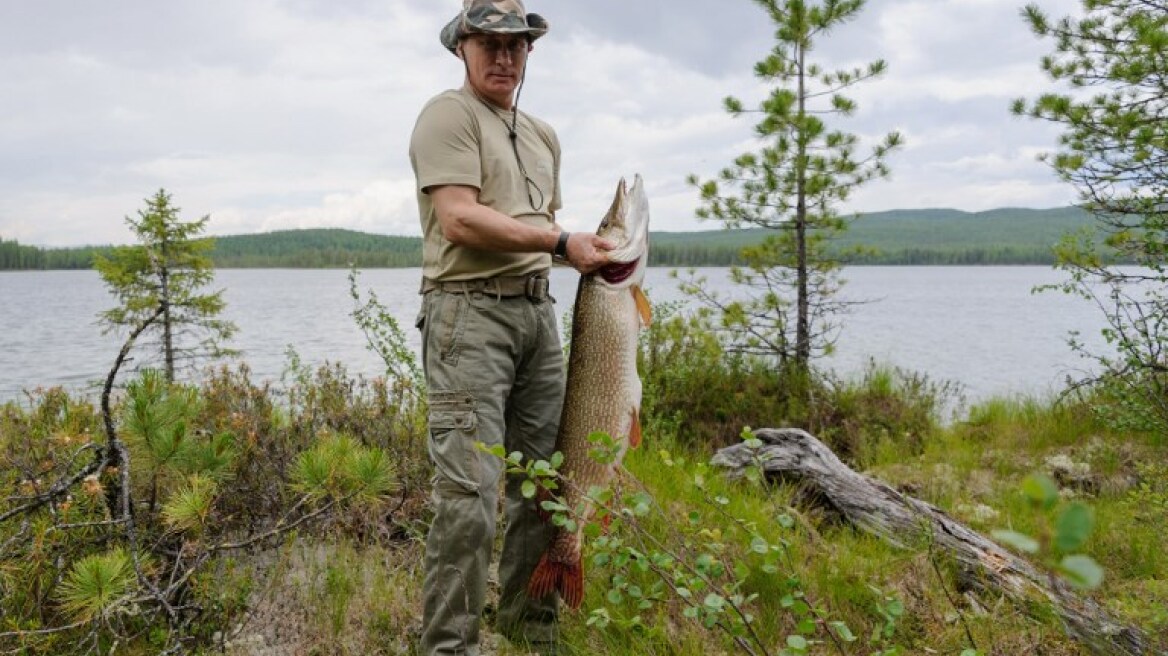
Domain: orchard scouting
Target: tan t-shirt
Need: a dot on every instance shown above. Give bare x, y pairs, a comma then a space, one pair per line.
460, 140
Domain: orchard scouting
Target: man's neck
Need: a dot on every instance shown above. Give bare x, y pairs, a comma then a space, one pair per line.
503, 104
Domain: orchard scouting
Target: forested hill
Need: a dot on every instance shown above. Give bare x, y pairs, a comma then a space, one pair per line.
931, 236
317, 248
941, 236
300, 249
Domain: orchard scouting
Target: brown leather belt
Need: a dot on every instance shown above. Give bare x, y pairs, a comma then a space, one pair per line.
533, 286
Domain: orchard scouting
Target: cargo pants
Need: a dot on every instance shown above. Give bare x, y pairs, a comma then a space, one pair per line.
495, 373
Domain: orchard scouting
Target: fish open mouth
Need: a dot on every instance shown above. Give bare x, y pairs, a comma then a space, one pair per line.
618, 272
626, 223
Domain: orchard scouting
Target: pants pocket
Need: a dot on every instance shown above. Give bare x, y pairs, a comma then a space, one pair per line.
453, 432
452, 318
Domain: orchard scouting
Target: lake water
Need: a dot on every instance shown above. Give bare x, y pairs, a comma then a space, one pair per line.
977, 326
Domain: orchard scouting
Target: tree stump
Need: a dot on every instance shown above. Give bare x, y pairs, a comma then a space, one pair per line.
793, 454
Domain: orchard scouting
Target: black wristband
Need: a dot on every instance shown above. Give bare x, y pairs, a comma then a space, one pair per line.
561, 249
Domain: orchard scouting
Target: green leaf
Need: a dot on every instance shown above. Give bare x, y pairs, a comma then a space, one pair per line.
705, 562
1073, 527
895, 607
553, 506
714, 601
1041, 490
1082, 571
600, 437
841, 629
797, 642
527, 489
1019, 541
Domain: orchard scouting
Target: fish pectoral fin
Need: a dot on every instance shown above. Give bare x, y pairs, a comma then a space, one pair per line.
635, 430
643, 306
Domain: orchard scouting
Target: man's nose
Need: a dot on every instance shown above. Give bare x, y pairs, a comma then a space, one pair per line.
505, 55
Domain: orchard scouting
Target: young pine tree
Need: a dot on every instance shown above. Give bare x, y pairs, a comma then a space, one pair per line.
1114, 151
166, 273
793, 186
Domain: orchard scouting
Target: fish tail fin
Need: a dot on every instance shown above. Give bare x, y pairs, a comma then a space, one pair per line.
565, 578
572, 585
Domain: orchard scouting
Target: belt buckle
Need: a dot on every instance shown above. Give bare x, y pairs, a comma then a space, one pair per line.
535, 289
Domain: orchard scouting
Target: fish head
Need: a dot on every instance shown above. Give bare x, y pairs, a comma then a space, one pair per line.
627, 225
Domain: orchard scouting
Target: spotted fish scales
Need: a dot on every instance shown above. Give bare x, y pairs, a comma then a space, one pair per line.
603, 388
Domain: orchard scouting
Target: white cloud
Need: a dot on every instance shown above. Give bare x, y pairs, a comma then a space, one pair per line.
296, 113
365, 209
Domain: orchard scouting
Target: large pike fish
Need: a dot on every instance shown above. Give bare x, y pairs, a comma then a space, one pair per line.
603, 388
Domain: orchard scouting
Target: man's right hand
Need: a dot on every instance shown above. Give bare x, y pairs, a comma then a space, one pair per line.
587, 252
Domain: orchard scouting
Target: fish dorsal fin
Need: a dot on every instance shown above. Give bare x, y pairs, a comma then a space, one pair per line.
635, 430
642, 305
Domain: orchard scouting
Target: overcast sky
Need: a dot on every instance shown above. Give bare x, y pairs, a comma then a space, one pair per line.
274, 114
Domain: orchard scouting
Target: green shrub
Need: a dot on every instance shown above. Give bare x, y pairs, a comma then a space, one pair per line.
704, 394
212, 469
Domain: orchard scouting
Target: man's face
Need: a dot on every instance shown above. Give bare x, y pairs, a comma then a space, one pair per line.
494, 64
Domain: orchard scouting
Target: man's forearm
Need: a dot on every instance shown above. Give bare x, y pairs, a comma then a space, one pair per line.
466, 222
486, 229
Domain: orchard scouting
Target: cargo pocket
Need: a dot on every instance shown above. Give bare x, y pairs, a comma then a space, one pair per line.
420, 320
451, 326
453, 432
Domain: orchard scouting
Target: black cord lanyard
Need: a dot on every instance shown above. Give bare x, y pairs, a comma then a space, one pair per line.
513, 134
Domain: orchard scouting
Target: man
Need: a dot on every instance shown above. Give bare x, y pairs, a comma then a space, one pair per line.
488, 190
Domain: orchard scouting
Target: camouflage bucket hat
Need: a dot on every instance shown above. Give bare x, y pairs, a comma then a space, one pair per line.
492, 17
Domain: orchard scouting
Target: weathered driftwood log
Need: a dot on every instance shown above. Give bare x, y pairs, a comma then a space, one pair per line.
875, 507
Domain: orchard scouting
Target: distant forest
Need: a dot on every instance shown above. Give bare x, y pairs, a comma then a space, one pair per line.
1002, 236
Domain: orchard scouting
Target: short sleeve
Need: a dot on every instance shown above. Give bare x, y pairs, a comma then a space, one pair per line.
444, 148
557, 202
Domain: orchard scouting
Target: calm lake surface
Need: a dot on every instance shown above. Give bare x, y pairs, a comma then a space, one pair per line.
980, 327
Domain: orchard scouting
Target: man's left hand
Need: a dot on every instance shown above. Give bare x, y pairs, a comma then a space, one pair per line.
587, 252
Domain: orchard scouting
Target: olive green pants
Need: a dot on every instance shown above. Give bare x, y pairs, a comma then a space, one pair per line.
495, 374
